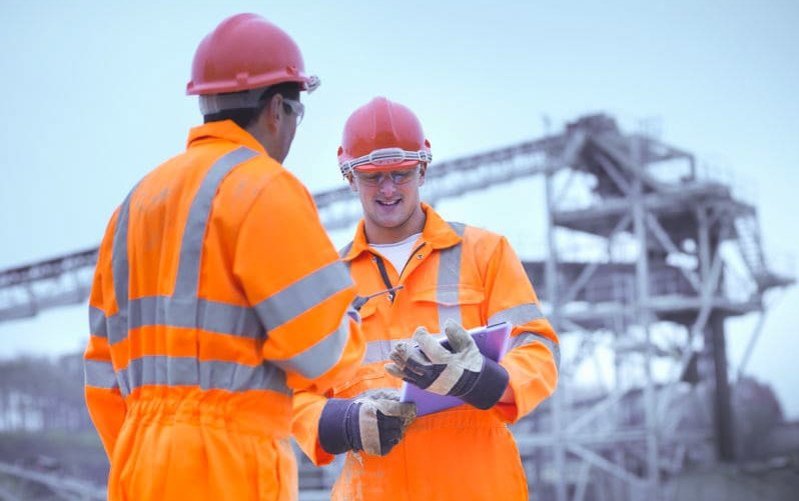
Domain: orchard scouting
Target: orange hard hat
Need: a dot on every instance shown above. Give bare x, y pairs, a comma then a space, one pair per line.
246, 52
382, 135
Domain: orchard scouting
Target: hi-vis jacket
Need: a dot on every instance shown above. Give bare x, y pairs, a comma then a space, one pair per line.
473, 277
217, 293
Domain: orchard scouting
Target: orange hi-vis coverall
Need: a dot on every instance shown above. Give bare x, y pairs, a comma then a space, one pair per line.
473, 277
217, 293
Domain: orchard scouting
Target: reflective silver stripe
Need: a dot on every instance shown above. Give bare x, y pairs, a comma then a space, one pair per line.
188, 277
118, 330
303, 295
345, 250
99, 374
97, 323
377, 351
525, 338
184, 309
319, 358
206, 315
458, 228
448, 287
517, 315
210, 375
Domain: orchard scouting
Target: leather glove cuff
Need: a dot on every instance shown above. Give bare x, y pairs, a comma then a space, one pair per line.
339, 429
487, 387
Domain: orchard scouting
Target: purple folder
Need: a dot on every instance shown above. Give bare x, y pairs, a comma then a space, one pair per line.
492, 342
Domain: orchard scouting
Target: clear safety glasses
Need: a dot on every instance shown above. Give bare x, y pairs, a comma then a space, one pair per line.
385, 156
397, 177
296, 107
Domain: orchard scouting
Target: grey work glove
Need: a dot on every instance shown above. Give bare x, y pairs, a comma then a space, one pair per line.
374, 422
455, 368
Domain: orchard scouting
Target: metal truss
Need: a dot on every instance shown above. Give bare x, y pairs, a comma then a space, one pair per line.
633, 437
27, 290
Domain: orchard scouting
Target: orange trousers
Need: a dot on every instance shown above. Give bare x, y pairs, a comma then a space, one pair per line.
200, 450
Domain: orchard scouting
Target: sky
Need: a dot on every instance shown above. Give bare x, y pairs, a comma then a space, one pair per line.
94, 97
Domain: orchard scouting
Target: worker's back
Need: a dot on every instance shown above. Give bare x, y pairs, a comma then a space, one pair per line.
216, 292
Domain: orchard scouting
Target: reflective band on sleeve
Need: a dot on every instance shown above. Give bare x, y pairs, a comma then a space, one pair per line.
99, 374
206, 315
303, 295
194, 232
517, 315
118, 330
97, 322
526, 338
320, 357
209, 375
378, 351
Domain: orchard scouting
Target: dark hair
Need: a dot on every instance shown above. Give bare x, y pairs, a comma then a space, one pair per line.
244, 117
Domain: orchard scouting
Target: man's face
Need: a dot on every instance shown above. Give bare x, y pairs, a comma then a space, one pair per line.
389, 198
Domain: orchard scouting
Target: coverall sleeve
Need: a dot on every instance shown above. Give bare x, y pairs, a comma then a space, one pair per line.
103, 398
301, 292
305, 426
532, 360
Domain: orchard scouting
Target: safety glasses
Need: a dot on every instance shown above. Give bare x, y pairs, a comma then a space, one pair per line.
295, 107
397, 177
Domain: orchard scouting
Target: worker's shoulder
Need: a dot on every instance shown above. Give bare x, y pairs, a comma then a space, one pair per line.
262, 171
259, 167
475, 234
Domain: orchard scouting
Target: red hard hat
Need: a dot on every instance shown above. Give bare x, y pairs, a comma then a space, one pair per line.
382, 135
246, 52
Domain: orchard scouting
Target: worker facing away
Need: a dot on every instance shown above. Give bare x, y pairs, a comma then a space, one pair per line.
436, 276
217, 292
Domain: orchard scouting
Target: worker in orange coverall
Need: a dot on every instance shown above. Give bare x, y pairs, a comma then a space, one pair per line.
217, 292
416, 273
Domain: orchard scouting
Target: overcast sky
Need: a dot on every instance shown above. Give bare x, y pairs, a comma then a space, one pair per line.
94, 97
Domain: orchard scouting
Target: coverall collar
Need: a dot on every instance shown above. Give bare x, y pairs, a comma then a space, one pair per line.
437, 232
226, 130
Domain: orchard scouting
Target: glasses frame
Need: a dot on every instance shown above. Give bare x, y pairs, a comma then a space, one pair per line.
374, 179
295, 107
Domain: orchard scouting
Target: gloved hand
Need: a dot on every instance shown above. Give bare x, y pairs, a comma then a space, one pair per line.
461, 371
373, 422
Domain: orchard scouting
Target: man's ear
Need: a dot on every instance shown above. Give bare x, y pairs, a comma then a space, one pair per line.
422, 172
273, 112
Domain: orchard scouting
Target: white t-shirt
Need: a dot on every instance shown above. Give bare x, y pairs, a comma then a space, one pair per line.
399, 252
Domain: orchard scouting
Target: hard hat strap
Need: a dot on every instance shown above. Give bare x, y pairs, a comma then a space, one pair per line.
214, 103
385, 156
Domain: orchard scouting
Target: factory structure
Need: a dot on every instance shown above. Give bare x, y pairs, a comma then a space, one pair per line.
646, 257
